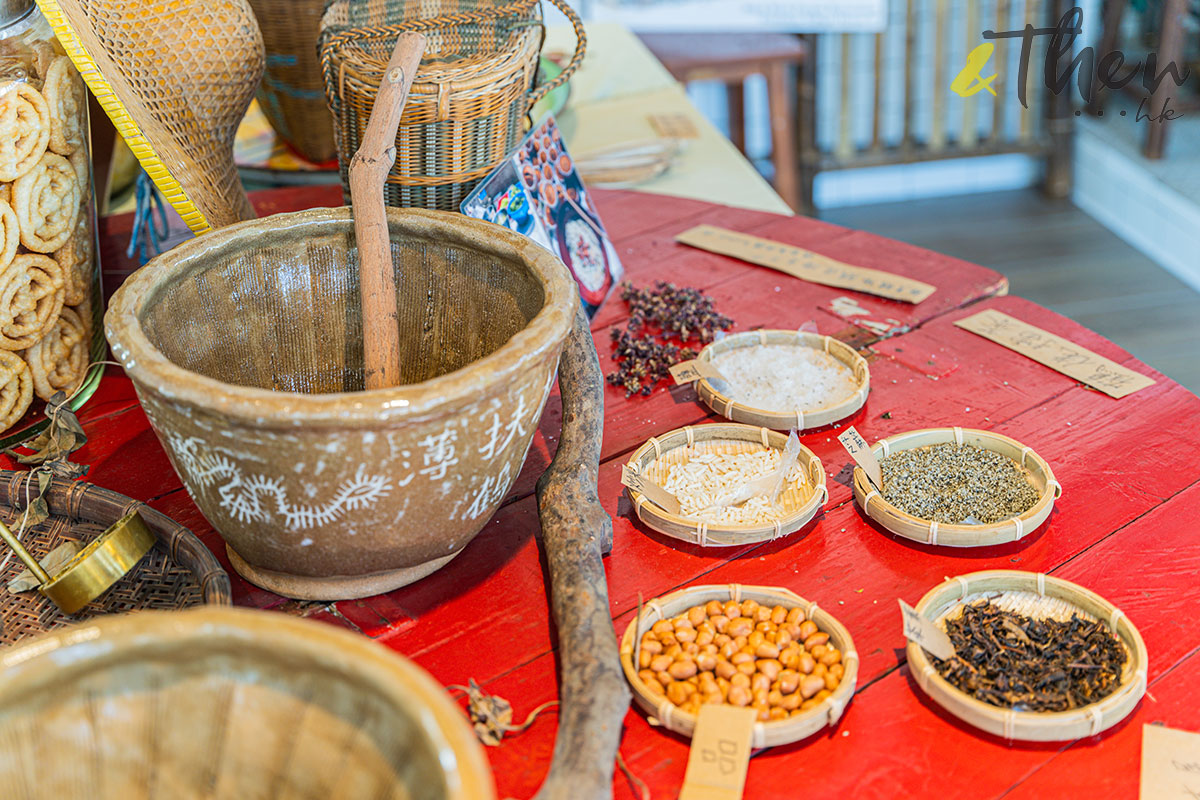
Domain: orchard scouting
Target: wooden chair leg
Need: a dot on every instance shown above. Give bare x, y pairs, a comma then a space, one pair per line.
1170, 49
806, 139
1060, 125
735, 95
783, 134
1113, 11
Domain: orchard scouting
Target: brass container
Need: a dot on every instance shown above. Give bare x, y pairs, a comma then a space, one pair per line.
95, 568
227, 703
245, 347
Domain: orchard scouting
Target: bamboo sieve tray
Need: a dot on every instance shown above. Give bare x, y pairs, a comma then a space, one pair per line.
777, 419
801, 502
904, 524
1039, 596
766, 734
177, 573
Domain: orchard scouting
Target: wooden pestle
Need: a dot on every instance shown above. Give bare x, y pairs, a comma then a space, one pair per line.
368, 173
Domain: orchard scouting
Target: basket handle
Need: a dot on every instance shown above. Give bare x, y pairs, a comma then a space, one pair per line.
576, 57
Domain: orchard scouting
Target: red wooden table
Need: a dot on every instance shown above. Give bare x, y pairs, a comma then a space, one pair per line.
1125, 526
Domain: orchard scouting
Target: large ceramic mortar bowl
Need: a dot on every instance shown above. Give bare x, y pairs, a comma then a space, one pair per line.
227, 703
245, 347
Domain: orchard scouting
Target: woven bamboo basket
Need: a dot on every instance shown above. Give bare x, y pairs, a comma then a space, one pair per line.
178, 573
227, 703
292, 93
785, 419
176, 79
1041, 597
766, 734
801, 501
468, 105
904, 524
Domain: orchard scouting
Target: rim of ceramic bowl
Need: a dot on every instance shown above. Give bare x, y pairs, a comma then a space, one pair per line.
42, 662
147, 365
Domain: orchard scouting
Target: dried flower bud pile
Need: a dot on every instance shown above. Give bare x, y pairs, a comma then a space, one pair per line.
950, 483
643, 362
769, 658
662, 321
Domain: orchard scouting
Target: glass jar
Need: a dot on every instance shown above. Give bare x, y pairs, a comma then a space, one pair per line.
50, 301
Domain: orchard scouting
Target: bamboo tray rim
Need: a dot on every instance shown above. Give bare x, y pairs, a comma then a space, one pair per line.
1030, 725
766, 734
660, 519
803, 418
865, 492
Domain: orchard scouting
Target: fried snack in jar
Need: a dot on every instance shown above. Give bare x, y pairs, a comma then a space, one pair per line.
48, 270
59, 360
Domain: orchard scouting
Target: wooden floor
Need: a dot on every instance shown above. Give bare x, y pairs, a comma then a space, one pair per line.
1056, 255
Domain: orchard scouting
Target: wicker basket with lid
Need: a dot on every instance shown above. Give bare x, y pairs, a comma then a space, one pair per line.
467, 107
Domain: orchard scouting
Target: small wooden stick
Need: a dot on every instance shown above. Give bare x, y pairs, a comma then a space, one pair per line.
368, 173
593, 694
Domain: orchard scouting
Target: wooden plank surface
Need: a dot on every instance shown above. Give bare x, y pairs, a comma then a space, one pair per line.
1124, 527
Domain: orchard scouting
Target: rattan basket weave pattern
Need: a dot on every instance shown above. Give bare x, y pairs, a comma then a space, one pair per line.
292, 94
176, 79
467, 107
177, 573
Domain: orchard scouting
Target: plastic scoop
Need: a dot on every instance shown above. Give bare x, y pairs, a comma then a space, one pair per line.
770, 484
95, 568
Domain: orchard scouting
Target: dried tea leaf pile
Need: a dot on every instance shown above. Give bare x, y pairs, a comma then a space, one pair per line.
1012, 661
662, 321
950, 483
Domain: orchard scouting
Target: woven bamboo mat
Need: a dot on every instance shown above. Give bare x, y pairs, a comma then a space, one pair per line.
156, 582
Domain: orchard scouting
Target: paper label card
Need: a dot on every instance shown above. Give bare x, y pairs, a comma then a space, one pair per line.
720, 753
860, 451
654, 493
805, 264
1170, 764
925, 632
673, 125
694, 370
1056, 352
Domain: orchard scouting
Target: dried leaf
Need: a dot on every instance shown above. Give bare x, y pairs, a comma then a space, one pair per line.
67, 469
35, 513
491, 715
62, 437
52, 562
51, 451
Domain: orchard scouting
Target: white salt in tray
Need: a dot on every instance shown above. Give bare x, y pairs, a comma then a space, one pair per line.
783, 379
706, 462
